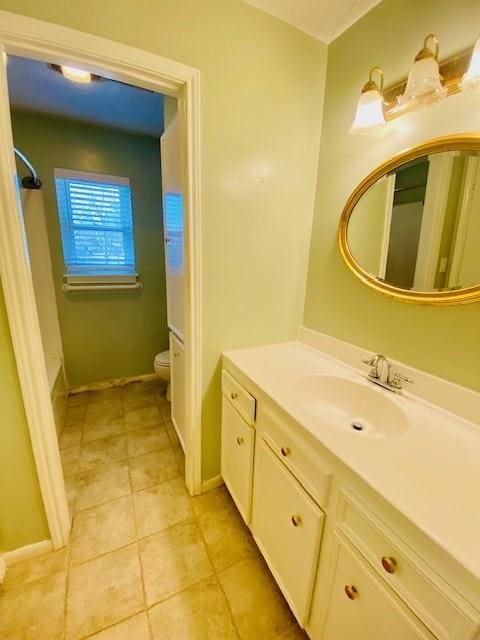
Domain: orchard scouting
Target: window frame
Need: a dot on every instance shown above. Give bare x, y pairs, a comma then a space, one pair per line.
88, 278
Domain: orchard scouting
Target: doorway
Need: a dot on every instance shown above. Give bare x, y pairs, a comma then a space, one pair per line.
30, 38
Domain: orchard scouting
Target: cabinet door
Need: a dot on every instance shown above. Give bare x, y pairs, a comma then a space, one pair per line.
287, 526
177, 374
237, 457
173, 224
361, 606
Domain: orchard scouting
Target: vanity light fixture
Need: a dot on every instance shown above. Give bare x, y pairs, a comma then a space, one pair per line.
369, 115
471, 78
424, 84
428, 81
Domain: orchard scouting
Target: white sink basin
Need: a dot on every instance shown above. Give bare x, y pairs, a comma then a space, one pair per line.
358, 408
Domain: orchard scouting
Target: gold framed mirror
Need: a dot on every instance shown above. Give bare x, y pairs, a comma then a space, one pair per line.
411, 229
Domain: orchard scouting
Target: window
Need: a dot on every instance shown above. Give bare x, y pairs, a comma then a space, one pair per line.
95, 213
174, 230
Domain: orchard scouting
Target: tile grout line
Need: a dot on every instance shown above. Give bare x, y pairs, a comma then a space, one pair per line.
134, 491
137, 545
69, 544
136, 542
215, 573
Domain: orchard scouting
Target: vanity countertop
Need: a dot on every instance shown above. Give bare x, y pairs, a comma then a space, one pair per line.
430, 473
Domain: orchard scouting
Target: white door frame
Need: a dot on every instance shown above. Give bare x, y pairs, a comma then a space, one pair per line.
387, 217
471, 178
434, 209
53, 43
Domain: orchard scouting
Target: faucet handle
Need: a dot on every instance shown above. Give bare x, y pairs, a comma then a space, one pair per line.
373, 364
398, 379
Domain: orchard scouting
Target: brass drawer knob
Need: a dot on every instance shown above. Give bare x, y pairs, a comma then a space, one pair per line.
240, 441
296, 521
285, 451
389, 564
351, 591
234, 395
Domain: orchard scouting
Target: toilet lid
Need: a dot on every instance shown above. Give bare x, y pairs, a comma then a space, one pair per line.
163, 358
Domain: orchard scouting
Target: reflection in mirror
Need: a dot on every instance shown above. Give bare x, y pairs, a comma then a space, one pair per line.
418, 227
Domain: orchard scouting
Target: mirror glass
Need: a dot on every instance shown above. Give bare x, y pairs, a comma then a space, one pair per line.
418, 226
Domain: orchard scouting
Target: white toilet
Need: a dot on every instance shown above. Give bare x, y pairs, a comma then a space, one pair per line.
161, 364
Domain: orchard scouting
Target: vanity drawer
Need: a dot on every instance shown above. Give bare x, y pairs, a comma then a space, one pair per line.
238, 396
446, 614
305, 470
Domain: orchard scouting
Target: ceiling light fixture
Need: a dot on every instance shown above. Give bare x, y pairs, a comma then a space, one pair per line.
424, 84
369, 115
471, 78
76, 75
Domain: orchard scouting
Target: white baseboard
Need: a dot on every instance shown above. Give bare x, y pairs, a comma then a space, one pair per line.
212, 483
114, 382
27, 552
177, 431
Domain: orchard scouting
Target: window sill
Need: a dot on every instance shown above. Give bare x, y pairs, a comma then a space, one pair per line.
113, 282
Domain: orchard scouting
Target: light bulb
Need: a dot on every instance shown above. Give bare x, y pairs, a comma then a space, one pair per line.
369, 115
471, 78
424, 84
76, 75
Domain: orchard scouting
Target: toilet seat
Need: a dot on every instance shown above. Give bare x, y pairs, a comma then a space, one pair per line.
162, 359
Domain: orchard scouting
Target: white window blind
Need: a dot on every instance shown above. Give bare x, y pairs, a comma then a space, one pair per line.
95, 213
174, 229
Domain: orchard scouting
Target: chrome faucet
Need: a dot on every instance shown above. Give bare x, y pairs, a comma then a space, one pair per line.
380, 373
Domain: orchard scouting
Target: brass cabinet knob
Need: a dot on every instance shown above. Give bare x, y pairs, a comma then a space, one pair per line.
296, 521
285, 451
240, 441
176, 354
389, 564
351, 591
234, 395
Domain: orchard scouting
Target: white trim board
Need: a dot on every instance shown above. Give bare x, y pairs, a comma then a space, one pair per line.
442, 393
212, 483
434, 210
27, 552
24, 36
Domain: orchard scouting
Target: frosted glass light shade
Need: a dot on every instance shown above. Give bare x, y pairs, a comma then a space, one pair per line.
471, 78
424, 83
369, 116
76, 75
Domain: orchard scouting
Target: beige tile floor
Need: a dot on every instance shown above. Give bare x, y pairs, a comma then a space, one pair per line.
145, 560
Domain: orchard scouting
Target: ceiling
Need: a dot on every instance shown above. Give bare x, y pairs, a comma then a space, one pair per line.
34, 86
323, 19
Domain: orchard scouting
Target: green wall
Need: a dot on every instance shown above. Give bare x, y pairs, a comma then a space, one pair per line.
22, 519
117, 333
259, 165
443, 341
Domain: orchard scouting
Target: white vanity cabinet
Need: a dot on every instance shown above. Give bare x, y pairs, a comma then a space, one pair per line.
348, 563
238, 441
287, 526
